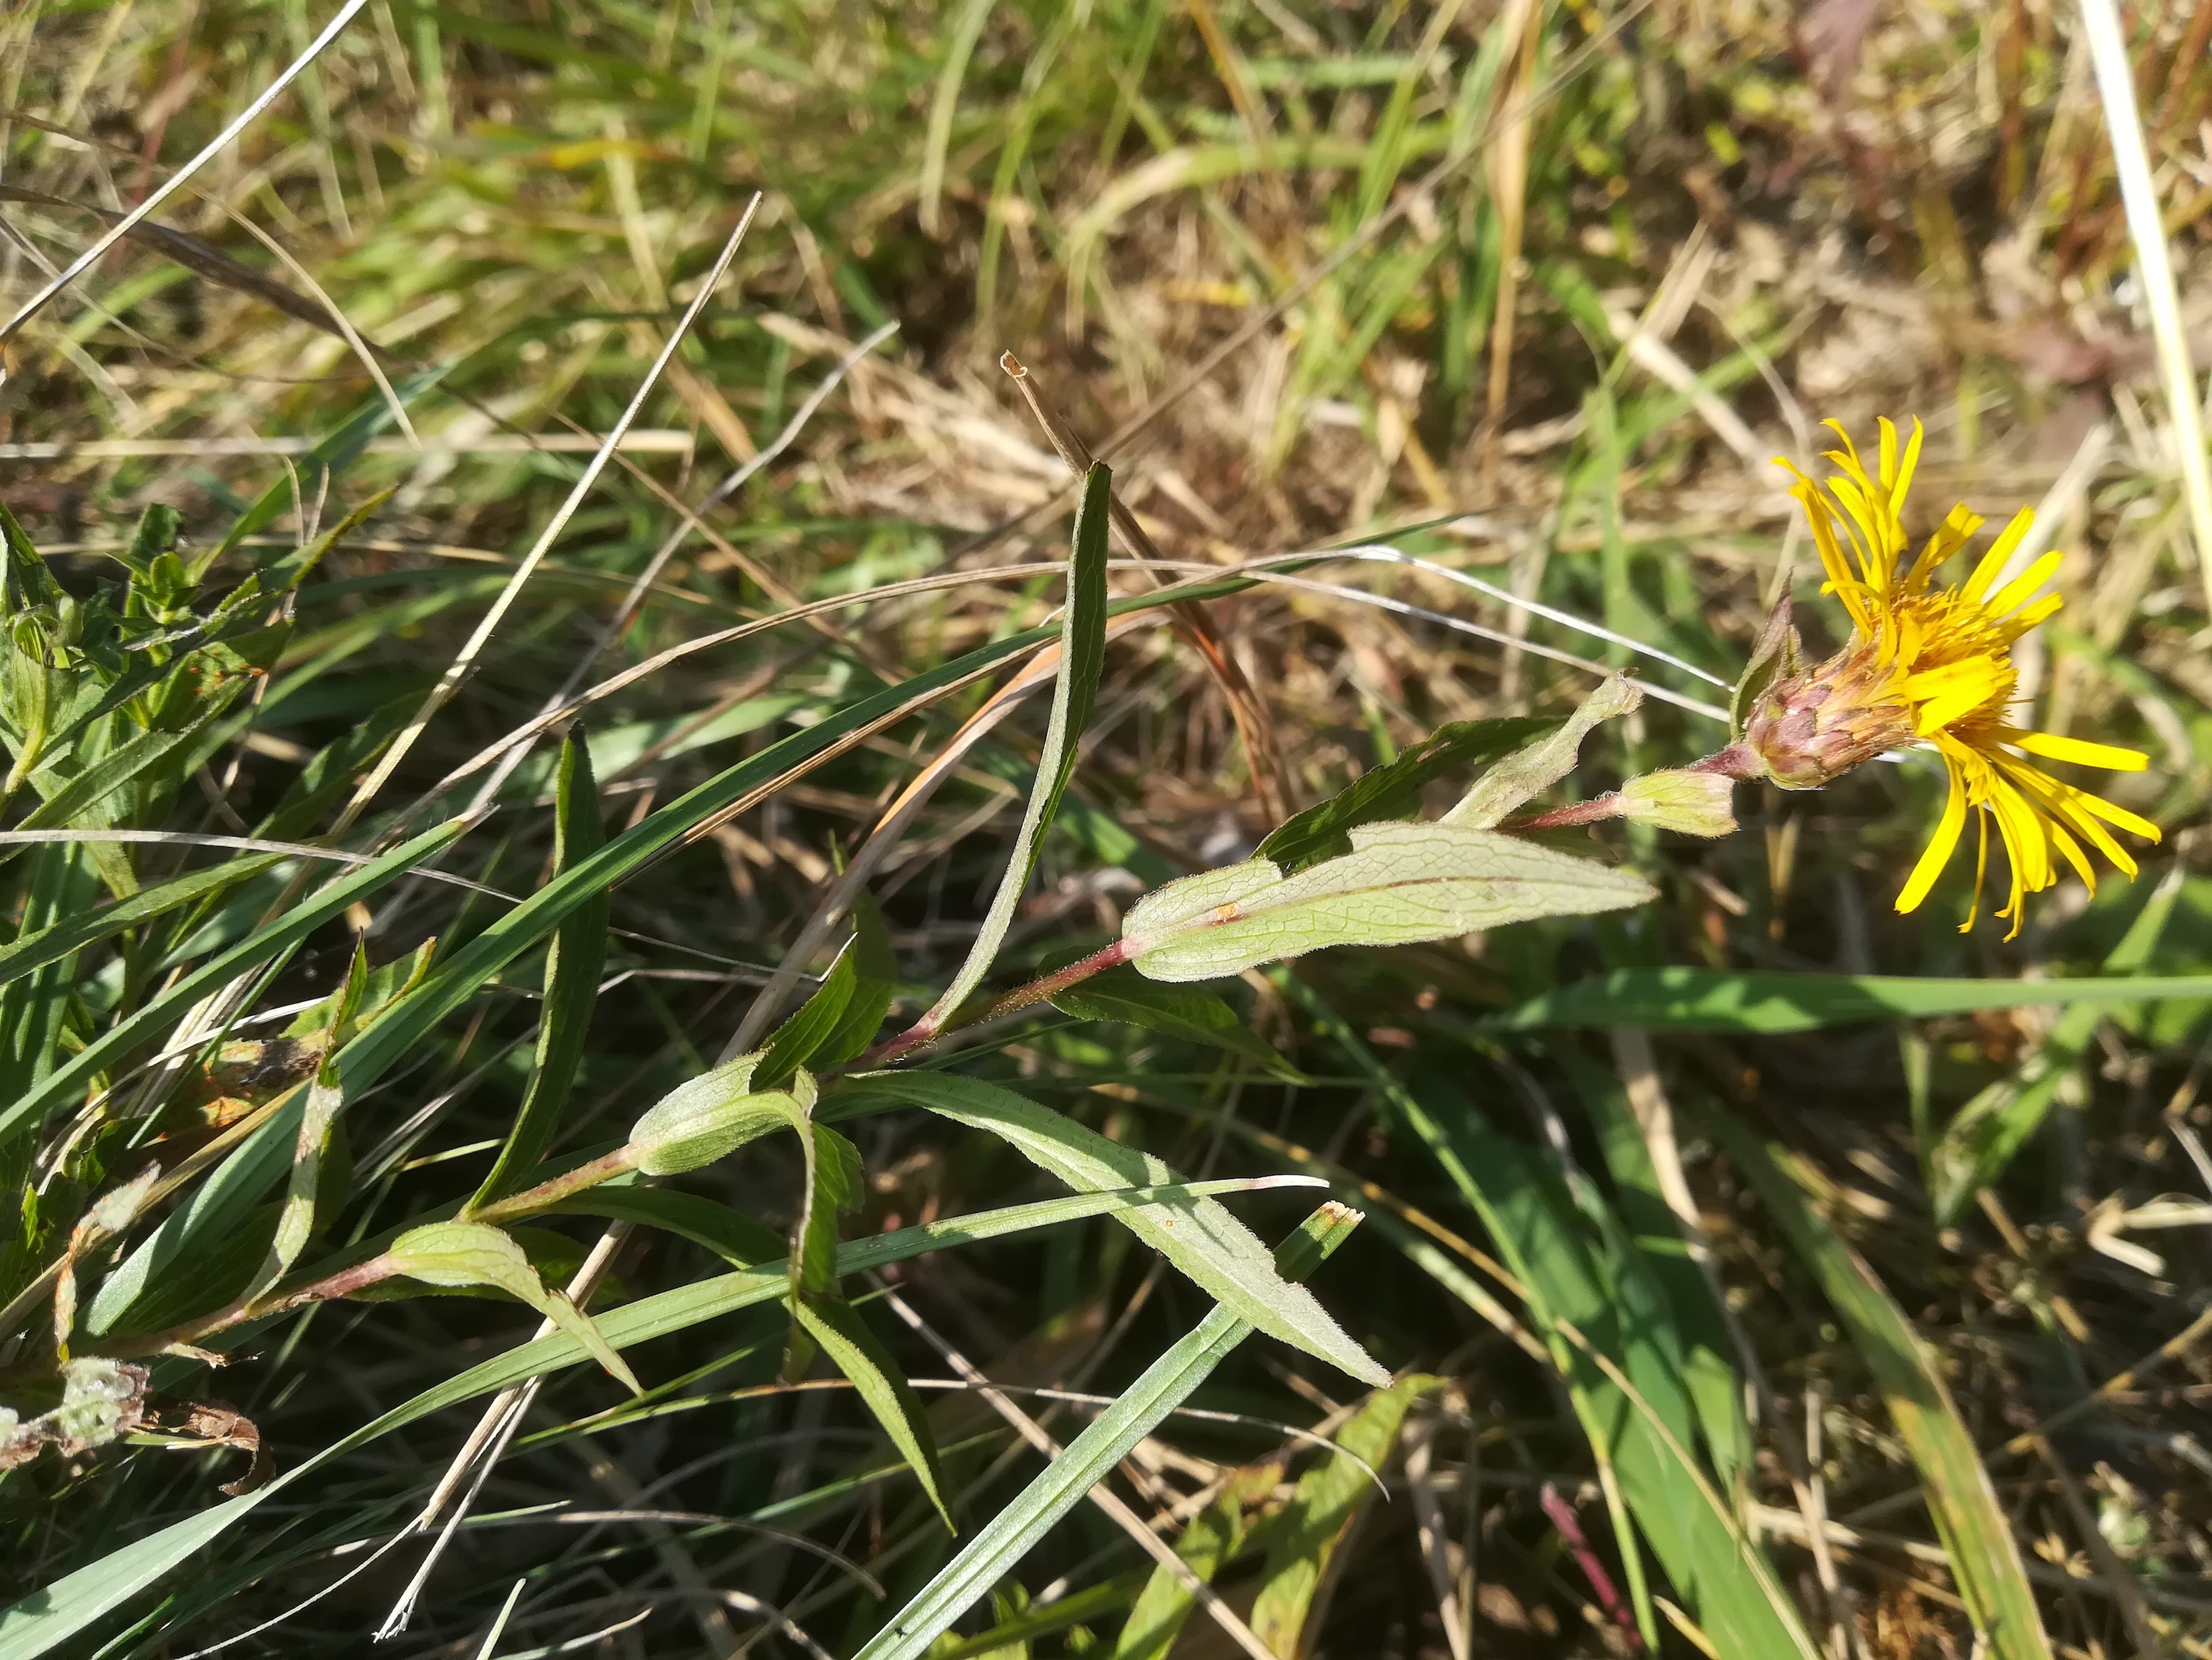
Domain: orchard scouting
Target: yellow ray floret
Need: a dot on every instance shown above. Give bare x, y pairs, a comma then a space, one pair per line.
1934, 665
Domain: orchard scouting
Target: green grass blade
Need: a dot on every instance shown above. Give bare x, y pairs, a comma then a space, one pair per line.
1209, 1540
1716, 1000
53, 1614
147, 1020
1165, 1386
1075, 689
1614, 1345
102, 779
1219, 1254
1302, 1539
1985, 1561
49, 945
573, 966
1991, 1129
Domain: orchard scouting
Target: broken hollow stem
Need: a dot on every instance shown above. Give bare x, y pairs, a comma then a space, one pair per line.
1043, 989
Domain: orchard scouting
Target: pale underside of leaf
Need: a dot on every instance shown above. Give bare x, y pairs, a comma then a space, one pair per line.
1401, 884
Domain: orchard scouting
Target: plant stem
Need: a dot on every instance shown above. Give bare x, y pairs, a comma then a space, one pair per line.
344, 1283
923, 1031
1737, 760
515, 1204
1591, 812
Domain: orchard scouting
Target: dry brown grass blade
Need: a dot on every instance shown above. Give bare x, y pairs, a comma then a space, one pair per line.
465, 660
188, 250
2108, 53
176, 182
1254, 727
1508, 162
1408, 200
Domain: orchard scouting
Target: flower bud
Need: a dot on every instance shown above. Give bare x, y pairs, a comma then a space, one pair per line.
1812, 728
1694, 803
712, 1116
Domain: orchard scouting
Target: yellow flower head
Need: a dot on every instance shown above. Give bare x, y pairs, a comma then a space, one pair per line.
1930, 665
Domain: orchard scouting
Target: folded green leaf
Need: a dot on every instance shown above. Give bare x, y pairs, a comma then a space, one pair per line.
1203, 1239
855, 1351
1122, 995
470, 1254
833, 1184
1392, 790
1400, 885
1082, 655
573, 966
1512, 782
840, 1020
711, 1117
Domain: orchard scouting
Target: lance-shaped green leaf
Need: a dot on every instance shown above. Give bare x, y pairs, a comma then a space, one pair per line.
295, 1219
1400, 884
1392, 790
1522, 775
840, 1020
1122, 995
833, 1184
836, 1326
1081, 654
573, 963
1204, 1239
1164, 1385
470, 1254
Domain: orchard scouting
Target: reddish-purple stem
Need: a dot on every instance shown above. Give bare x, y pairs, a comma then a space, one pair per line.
1582, 813
1737, 760
1578, 1546
1037, 991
